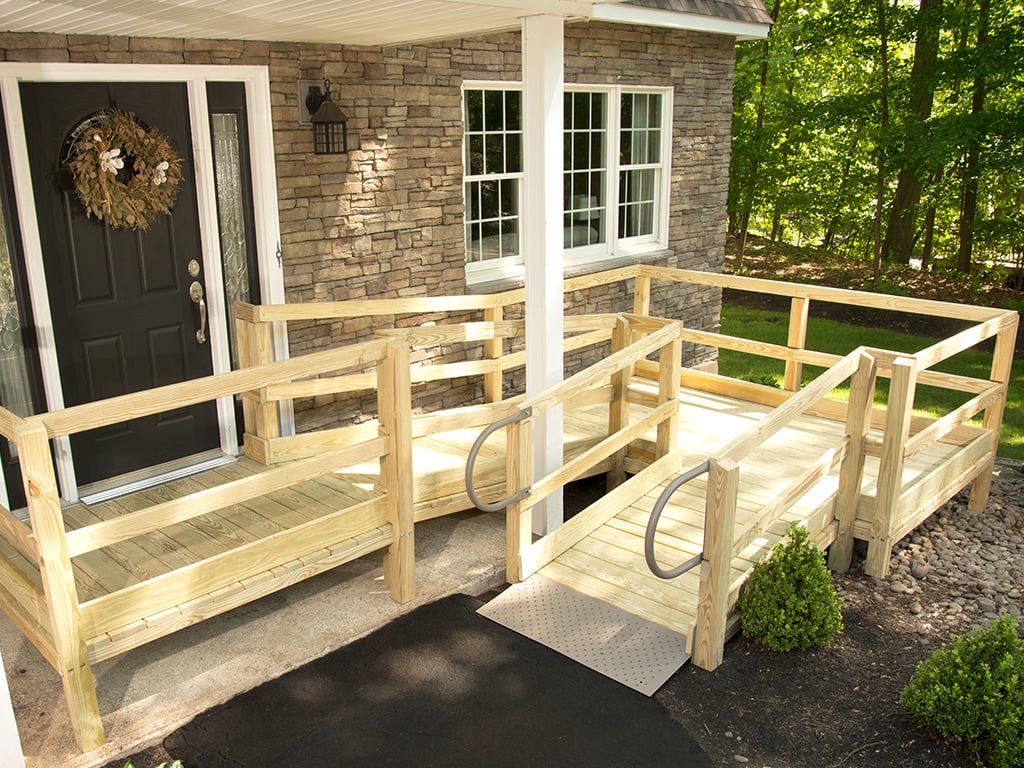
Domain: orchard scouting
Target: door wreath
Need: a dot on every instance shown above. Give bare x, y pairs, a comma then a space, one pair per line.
124, 172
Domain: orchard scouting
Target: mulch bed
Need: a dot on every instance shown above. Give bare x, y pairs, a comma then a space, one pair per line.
822, 708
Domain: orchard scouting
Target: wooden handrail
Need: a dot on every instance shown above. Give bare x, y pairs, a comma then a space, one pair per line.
80, 418
335, 310
845, 296
561, 393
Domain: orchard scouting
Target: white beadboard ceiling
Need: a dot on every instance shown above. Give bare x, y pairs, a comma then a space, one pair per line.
349, 22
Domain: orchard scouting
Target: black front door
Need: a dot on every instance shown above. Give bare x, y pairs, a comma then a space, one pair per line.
123, 319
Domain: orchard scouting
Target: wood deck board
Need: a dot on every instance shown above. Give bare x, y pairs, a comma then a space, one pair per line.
130, 562
708, 421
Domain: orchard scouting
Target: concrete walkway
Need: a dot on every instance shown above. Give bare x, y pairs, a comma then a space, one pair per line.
148, 692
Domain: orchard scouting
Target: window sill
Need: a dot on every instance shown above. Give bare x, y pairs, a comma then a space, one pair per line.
499, 285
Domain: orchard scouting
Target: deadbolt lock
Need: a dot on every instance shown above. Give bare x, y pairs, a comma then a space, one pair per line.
193, 268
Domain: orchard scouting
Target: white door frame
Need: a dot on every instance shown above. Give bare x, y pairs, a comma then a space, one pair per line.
264, 183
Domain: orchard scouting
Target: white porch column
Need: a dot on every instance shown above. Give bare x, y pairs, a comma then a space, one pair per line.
543, 51
10, 745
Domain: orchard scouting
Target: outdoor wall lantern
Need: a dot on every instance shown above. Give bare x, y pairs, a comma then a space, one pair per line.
329, 135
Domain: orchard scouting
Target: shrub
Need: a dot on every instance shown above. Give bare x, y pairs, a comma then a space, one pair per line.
789, 601
971, 694
765, 379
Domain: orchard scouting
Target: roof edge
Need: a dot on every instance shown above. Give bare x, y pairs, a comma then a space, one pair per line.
650, 17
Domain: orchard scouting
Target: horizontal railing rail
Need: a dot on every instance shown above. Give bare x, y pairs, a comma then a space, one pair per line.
101, 413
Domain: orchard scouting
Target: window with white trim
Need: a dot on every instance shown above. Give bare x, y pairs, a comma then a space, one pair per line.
617, 145
493, 146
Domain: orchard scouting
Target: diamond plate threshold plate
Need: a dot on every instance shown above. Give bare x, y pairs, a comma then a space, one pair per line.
608, 640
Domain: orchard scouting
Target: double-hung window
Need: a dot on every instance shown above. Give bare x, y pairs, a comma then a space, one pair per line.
616, 148
493, 147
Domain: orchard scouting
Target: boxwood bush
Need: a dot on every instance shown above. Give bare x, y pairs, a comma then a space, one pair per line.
790, 602
971, 694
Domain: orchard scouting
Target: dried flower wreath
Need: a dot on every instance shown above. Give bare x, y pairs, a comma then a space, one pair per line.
125, 173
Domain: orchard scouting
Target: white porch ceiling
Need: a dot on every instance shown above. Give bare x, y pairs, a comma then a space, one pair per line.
348, 22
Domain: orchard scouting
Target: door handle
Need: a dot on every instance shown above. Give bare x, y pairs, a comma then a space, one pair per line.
195, 292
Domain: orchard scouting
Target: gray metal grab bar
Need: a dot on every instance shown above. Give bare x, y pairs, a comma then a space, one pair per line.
493, 506
652, 525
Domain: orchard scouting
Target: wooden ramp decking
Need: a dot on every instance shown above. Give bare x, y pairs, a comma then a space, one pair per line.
601, 550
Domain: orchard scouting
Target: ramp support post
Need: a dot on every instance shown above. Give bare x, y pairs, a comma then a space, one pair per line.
851, 472
890, 470
719, 540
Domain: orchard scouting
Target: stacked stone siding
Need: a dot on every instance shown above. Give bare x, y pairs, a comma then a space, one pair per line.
386, 220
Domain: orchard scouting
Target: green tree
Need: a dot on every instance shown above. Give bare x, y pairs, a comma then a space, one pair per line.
884, 126
900, 230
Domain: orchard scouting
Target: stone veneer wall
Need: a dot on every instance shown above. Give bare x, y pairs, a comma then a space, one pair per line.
386, 220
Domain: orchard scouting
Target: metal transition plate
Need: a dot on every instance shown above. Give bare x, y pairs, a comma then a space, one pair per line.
608, 640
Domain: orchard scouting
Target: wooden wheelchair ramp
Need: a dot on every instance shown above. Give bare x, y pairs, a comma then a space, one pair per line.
592, 595
596, 601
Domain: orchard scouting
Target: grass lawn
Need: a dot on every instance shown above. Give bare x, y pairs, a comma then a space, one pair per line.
841, 338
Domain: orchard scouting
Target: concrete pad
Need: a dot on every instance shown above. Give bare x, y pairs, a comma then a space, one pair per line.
148, 692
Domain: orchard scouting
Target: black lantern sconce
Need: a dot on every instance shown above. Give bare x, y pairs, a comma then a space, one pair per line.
329, 122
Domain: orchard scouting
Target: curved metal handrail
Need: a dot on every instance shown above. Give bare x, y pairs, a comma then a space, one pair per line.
493, 506
652, 525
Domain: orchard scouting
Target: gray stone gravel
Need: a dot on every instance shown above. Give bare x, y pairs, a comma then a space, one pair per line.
976, 560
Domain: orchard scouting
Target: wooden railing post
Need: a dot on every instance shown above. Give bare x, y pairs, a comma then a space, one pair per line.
71, 656
618, 408
798, 314
394, 406
493, 350
670, 364
719, 534
851, 472
890, 470
642, 295
255, 347
1002, 364
518, 516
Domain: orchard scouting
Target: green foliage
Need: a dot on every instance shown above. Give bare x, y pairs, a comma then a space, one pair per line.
972, 694
815, 124
175, 764
889, 287
764, 379
790, 602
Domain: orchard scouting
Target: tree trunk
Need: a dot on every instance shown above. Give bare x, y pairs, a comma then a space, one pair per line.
883, 42
969, 198
833, 222
899, 234
928, 245
741, 236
